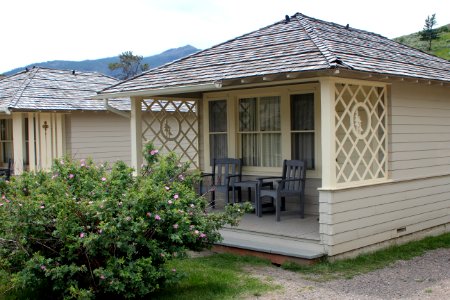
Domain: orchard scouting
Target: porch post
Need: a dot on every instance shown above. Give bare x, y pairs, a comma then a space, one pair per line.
327, 101
18, 142
136, 134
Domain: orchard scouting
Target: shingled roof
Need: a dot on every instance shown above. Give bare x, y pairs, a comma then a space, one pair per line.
299, 45
49, 89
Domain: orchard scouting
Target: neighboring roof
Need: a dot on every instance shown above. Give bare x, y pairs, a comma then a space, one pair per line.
49, 89
299, 45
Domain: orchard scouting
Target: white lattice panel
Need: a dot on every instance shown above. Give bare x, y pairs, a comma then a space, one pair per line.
172, 125
361, 133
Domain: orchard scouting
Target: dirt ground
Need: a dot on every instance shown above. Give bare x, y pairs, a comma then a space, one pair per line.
424, 277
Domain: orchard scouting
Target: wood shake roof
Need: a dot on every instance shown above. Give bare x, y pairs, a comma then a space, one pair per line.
49, 89
300, 45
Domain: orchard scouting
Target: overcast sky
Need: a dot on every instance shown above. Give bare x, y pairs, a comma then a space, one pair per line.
35, 31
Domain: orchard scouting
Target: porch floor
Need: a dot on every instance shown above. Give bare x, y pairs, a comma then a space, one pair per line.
292, 236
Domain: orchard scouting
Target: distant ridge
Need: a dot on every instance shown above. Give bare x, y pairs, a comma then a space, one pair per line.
101, 65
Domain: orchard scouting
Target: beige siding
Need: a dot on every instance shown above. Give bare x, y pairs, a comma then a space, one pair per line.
417, 197
102, 136
360, 217
420, 131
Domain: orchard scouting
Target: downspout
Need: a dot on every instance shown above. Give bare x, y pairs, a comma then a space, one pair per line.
115, 110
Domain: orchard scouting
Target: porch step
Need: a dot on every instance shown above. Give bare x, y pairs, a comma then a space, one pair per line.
272, 244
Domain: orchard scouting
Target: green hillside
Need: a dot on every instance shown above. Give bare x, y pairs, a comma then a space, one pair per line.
439, 47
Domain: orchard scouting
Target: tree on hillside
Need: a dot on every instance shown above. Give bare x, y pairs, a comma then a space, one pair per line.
130, 64
429, 33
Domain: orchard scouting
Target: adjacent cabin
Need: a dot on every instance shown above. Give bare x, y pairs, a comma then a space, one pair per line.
370, 117
48, 113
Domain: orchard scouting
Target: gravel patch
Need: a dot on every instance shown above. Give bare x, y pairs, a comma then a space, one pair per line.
424, 277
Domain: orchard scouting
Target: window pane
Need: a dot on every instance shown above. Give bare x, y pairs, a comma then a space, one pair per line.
247, 114
302, 112
218, 116
303, 148
250, 149
218, 146
269, 112
271, 149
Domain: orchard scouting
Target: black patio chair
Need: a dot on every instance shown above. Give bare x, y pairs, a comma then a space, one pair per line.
225, 172
5, 173
290, 184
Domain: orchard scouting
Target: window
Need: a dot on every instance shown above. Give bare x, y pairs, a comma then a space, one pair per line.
6, 140
218, 145
260, 131
302, 128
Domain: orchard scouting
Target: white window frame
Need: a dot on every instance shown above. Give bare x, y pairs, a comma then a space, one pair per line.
284, 92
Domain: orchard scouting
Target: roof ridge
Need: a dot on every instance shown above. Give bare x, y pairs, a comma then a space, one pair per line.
16, 97
333, 60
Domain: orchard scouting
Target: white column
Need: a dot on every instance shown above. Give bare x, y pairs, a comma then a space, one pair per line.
328, 132
18, 142
31, 143
136, 134
59, 136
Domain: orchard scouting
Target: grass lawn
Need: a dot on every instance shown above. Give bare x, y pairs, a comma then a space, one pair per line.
219, 276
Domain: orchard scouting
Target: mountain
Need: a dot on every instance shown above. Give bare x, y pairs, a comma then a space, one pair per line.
101, 65
439, 47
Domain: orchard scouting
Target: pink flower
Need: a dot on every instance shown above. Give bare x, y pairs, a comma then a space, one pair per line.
175, 226
71, 176
102, 277
100, 231
202, 235
82, 163
42, 206
174, 270
43, 268
153, 152
157, 217
148, 214
7, 201
170, 202
1, 204
176, 196
3, 197
82, 235
103, 179
196, 232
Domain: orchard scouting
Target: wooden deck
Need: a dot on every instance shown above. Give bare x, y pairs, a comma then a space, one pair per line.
291, 237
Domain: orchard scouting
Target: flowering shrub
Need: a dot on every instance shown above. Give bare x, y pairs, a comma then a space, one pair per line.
81, 232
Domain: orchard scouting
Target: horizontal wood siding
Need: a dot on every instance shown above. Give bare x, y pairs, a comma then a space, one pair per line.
417, 196
102, 136
419, 131
359, 217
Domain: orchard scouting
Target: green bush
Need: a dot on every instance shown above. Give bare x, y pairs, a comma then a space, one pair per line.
82, 232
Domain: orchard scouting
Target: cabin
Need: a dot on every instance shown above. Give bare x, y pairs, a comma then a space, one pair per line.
48, 113
370, 117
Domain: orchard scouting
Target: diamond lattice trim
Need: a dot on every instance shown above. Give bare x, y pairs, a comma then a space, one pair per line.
172, 125
361, 141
